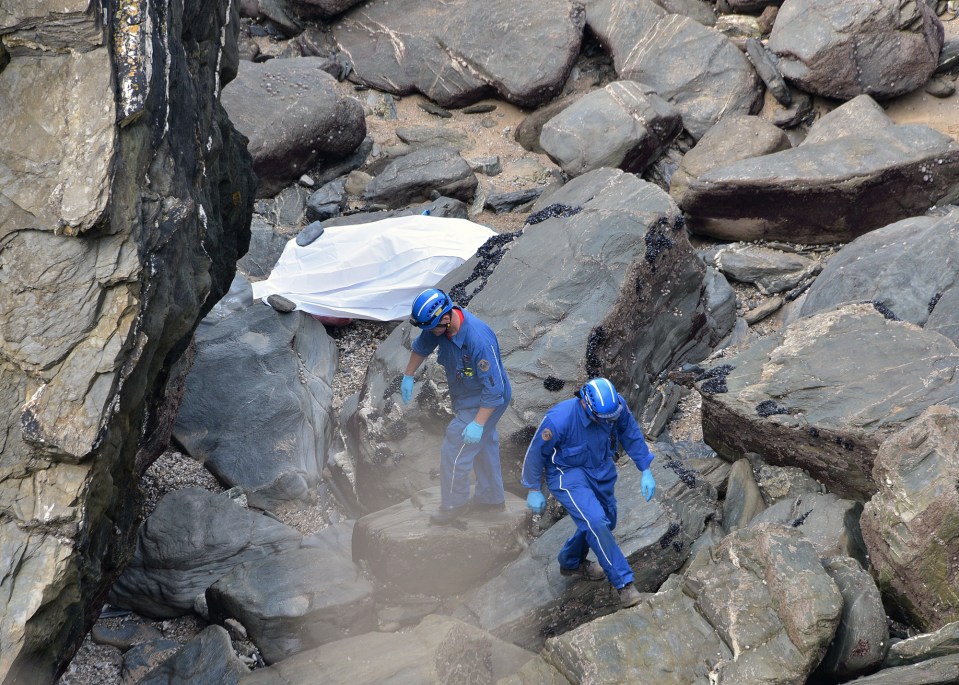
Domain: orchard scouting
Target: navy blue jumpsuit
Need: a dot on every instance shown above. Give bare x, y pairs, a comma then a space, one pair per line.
577, 453
476, 378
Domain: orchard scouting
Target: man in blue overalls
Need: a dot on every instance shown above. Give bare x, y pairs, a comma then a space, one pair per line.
480, 391
575, 445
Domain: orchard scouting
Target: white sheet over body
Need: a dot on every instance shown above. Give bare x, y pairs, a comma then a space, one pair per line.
372, 271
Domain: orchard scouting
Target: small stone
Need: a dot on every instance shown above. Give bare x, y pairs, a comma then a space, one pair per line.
479, 108
281, 304
306, 181
435, 109
940, 87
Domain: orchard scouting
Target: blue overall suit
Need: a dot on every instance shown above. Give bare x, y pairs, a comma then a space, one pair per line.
577, 454
476, 378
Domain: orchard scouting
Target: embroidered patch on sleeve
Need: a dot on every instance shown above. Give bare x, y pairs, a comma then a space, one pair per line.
483, 365
547, 435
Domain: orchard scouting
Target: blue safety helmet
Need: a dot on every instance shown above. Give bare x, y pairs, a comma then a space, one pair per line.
429, 307
602, 400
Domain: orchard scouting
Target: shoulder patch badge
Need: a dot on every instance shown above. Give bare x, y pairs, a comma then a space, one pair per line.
547, 435
483, 365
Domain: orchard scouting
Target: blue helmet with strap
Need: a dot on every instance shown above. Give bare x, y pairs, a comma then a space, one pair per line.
429, 307
602, 400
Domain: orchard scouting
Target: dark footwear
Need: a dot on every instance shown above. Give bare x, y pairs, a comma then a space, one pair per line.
588, 570
281, 304
483, 506
629, 596
445, 516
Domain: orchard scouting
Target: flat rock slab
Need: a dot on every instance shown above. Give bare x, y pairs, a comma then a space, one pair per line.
294, 601
459, 52
439, 650
909, 266
840, 399
827, 192
403, 551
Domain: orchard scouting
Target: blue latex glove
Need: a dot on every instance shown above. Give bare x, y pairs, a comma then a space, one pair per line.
406, 389
536, 501
473, 433
648, 484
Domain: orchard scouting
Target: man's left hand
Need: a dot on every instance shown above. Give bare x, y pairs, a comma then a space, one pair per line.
473, 433
648, 484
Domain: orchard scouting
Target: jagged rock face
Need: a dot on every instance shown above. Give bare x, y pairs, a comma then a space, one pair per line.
825, 392
126, 204
911, 526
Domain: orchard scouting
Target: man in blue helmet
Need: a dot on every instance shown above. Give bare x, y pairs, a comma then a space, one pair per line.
480, 392
575, 446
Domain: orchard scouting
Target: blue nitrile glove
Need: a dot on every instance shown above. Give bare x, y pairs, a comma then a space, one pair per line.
648, 484
406, 389
473, 433
536, 501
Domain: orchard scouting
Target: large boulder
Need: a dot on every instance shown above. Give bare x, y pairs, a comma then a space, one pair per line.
295, 118
294, 600
276, 449
625, 125
763, 612
911, 525
831, 191
696, 69
127, 197
907, 266
882, 48
814, 396
190, 541
461, 51
592, 287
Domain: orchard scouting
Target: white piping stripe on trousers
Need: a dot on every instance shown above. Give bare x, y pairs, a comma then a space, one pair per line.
570, 495
453, 475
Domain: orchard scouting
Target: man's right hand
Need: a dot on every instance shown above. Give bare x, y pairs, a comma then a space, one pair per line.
406, 389
536, 502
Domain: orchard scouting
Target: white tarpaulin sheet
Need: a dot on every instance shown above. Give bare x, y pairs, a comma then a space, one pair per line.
372, 271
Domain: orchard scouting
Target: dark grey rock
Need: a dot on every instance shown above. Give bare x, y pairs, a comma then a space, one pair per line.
294, 601
458, 52
863, 635
696, 69
275, 450
766, 68
508, 202
294, 118
840, 51
191, 539
862, 113
910, 525
625, 125
904, 266
732, 138
827, 192
528, 131
829, 432
415, 176
207, 659
144, 657
328, 201
266, 246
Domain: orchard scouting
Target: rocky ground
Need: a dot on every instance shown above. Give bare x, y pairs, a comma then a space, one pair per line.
489, 134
